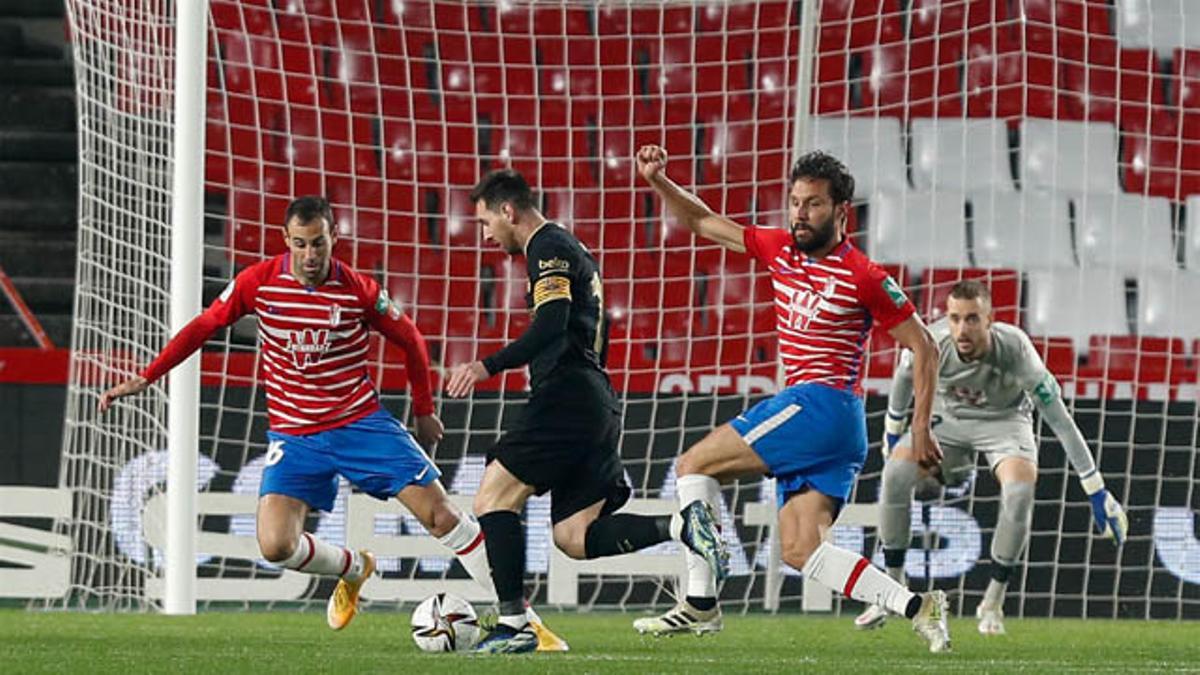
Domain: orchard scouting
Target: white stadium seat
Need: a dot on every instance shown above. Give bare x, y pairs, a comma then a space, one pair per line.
1191, 238
918, 229
1161, 25
1167, 304
1027, 230
871, 148
967, 155
1076, 304
1126, 232
1069, 157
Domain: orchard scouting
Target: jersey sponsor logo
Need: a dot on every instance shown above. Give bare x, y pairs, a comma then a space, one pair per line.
551, 288
802, 308
554, 265
975, 397
228, 292
308, 346
893, 290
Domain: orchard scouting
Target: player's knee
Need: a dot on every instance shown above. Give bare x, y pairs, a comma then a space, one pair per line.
1016, 501
797, 553
571, 543
275, 548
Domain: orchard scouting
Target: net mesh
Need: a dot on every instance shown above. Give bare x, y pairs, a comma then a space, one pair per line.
1034, 144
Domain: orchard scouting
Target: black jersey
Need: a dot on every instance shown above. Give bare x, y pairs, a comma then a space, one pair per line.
561, 268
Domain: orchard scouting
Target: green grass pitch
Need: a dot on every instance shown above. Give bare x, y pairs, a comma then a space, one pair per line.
601, 642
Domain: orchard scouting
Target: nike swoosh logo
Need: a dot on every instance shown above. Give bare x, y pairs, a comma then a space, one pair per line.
422, 474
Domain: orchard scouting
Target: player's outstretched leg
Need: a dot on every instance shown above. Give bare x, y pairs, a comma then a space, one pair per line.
343, 604
838, 568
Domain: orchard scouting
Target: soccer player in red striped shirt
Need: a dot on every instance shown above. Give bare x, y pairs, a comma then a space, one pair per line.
811, 436
314, 315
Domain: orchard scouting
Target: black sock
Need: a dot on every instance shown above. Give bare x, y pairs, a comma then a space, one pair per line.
701, 603
914, 606
623, 533
506, 554
1001, 572
894, 557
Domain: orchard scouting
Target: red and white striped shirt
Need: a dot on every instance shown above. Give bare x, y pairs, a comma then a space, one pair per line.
825, 307
313, 343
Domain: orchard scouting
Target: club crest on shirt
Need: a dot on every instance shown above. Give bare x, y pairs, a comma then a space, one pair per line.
308, 346
335, 315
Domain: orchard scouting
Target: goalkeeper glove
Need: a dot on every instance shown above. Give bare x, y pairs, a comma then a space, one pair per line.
893, 428
1106, 510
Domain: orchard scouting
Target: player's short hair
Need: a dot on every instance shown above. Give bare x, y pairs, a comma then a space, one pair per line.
504, 185
970, 289
307, 209
816, 165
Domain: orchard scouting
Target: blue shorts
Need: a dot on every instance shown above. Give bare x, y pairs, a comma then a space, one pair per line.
375, 453
809, 436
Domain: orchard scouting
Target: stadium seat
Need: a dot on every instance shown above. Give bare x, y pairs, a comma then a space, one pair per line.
1031, 231
1058, 353
1004, 284
1125, 232
1069, 157
1118, 87
1166, 304
1191, 237
1161, 25
960, 154
1158, 166
1076, 304
1136, 358
918, 229
871, 148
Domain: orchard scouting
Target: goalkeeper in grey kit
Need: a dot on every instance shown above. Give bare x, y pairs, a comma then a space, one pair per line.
989, 380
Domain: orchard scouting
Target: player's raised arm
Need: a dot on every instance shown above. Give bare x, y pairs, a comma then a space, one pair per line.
384, 316
1043, 388
685, 206
914, 336
224, 311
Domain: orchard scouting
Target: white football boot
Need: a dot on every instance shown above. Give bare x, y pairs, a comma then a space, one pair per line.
874, 616
682, 618
991, 620
930, 621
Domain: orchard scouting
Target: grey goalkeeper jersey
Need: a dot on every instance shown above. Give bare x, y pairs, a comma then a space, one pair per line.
1005, 384
997, 386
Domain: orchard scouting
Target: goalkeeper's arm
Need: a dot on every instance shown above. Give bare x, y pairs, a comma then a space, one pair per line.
1106, 511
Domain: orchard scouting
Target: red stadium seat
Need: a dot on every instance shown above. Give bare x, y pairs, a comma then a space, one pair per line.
1129, 358
1058, 353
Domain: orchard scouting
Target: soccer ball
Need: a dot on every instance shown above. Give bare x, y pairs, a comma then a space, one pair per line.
445, 623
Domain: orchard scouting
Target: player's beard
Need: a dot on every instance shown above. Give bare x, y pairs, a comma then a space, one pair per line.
822, 234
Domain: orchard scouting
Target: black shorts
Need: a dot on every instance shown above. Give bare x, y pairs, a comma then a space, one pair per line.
567, 443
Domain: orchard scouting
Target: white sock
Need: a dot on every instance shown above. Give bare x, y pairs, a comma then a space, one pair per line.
466, 540
517, 621
852, 575
690, 488
316, 557
994, 595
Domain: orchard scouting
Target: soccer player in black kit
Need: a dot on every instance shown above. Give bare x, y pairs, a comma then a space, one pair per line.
568, 436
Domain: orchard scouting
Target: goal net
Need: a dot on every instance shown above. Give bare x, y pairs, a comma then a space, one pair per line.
1041, 145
